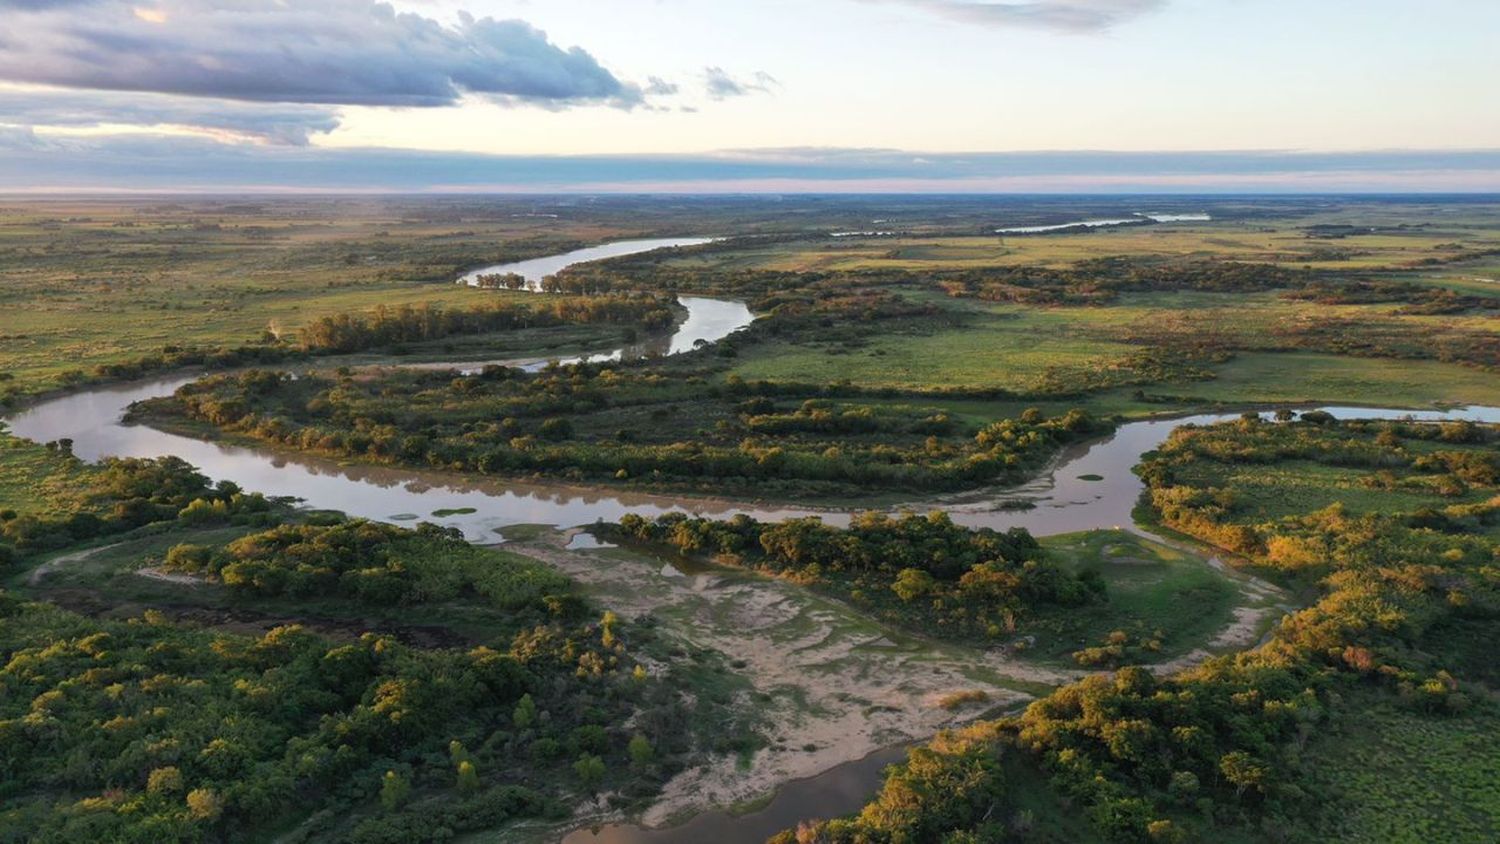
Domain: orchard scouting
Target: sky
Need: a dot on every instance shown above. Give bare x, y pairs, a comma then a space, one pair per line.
973, 96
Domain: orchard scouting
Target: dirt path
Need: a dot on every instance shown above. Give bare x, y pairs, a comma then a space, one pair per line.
52, 565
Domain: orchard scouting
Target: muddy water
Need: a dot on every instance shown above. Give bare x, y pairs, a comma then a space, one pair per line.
841, 790
1090, 486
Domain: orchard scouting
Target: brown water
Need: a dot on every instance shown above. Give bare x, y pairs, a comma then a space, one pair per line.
841, 790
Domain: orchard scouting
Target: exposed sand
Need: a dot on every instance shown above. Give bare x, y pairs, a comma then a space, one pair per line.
154, 573
840, 683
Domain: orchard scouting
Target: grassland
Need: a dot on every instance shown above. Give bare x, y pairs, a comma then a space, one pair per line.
36, 479
1030, 349
85, 283
1393, 775
1152, 589
1292, 241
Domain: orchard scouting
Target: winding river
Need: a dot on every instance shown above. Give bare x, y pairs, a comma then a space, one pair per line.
1089, 486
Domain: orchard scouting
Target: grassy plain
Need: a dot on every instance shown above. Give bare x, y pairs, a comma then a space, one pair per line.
1292, 241
1020, 348
1152, 587
37, 479
90, 282
1398, 776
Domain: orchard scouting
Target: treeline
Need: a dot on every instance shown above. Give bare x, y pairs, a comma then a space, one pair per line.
1102, 280
607, 423
1413, 298
386, 326
1223, 749
376, 564
923, 572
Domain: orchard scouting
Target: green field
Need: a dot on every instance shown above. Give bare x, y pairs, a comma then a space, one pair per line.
1153, 588
1392, 775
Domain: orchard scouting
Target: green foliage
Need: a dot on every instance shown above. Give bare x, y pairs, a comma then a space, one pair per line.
525, 712
146, 725
590, 770
379, 564
1233, 739
919, 571
612, 421
395, 790
640, 750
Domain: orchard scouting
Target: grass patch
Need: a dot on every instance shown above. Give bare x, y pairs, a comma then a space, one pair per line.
1392, 775
1150, 587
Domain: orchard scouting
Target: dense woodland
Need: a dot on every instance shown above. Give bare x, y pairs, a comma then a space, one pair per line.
922, 572
603, 422
146, 729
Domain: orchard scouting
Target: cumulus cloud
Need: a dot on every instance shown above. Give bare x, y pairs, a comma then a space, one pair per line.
1067, 15
334, 52
720, 85
279, 123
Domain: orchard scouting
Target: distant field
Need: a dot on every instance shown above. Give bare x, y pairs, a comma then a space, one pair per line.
85, 283
1029, 348
1272, 241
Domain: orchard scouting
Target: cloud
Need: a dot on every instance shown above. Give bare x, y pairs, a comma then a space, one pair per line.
334, 52
1066, 15
44, 163
658, 87
278, 123
721, 86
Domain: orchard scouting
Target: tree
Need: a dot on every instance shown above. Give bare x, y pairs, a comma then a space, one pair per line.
525, 714
205, 804
912, 584
468, 778
394, 790
641, 752
166, 780
1243, 771
590, 770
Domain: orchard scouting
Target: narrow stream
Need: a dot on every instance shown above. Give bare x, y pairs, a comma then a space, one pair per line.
1091, 486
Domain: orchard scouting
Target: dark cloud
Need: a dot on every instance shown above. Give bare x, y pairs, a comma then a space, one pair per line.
351, 52
279, 123
1067, 15
721, 86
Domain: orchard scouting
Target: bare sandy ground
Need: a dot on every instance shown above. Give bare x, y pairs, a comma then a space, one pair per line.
841, 686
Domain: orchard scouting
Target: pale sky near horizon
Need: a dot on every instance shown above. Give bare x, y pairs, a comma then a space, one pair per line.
527, 94
1186, 75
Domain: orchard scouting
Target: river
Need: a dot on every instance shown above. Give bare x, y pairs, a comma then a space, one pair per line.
1089, 486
